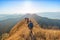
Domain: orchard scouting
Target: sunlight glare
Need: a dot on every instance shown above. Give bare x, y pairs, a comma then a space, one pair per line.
27, 7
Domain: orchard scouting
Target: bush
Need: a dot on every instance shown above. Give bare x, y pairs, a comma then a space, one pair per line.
4, 36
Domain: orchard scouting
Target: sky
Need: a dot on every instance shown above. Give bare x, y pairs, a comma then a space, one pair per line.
28, 6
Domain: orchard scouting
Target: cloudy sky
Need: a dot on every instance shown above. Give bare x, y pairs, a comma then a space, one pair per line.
28, 6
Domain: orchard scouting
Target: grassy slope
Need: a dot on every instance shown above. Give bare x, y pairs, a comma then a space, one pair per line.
21, 32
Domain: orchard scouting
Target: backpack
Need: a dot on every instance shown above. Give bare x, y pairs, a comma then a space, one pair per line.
30, 25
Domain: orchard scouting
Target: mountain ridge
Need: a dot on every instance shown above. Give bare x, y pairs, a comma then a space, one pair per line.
22, 32
44, 22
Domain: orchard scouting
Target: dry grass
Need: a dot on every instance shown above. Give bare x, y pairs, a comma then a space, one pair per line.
23, 33
44, 34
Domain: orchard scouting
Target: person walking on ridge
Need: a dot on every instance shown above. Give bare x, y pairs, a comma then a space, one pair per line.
27, 20
30, 25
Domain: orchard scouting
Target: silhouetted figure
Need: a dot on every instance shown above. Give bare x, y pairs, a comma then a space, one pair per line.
27, 19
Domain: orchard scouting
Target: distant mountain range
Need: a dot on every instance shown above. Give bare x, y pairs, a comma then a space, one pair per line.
52, 15
11, 20
46, 22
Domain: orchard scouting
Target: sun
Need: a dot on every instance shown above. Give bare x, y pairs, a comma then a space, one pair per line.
27, 8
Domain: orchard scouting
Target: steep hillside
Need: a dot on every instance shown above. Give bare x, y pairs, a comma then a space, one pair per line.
21, 29
46, 22
21, 32
8, 22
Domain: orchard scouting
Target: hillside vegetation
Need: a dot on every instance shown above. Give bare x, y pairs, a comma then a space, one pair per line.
21, 32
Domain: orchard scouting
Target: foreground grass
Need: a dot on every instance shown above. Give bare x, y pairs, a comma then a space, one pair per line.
39, 34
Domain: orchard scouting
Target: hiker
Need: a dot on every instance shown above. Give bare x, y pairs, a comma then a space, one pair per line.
27, 19
30, 25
